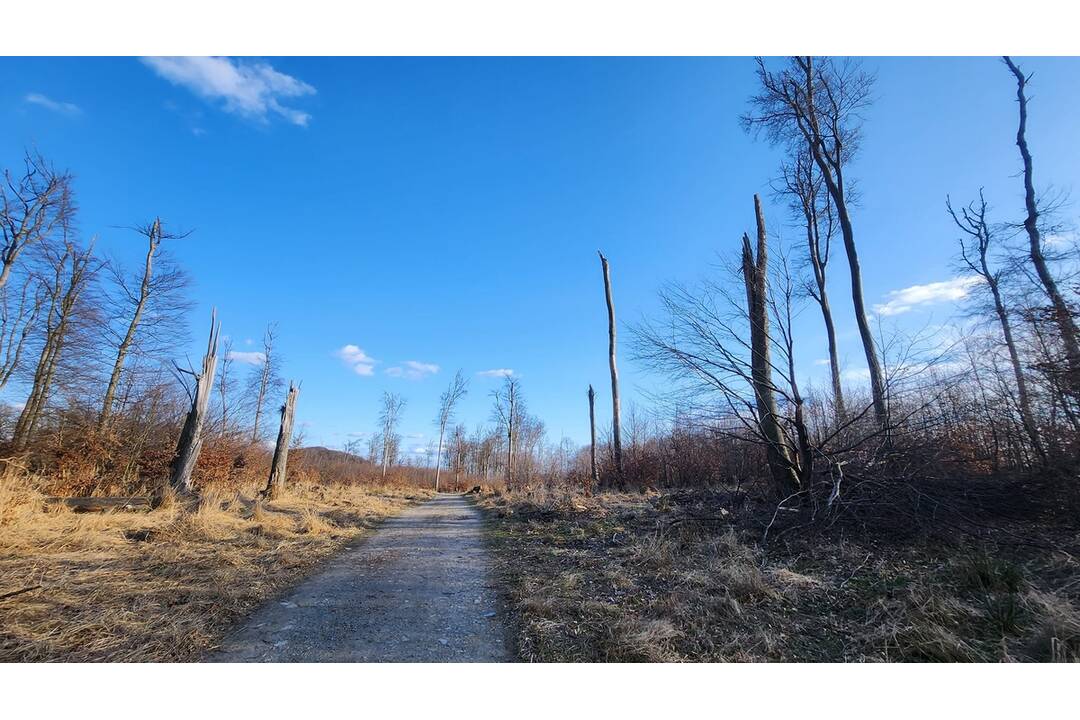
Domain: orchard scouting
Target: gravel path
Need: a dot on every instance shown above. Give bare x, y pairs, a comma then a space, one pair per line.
418, 590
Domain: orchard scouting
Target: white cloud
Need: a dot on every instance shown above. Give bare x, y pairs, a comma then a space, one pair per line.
855, 374
64, 108
248, 358
902, 301
496, 372
821, 361
359, 361
248, 88
413, 370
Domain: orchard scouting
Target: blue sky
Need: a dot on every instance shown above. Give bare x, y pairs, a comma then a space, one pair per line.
447, 212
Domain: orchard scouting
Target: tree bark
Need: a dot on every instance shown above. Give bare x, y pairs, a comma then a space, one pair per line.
755, 276
129, 336
594, 475
63, 297
616, 430
1070, 336
278, 466
190, 443
438, 456
834, 182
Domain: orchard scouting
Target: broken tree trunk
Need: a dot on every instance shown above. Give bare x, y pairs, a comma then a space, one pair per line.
281, 450
616, 433
592, 439
755, 275
191, 437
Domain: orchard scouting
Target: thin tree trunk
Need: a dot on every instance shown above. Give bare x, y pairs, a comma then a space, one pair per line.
279, 465
755, 275
594, 475
190, 443
1027, 417
129, 336
1070, 336
438, 457
835, 186
616, 431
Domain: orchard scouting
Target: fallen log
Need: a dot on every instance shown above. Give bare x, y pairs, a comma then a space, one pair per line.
101, 504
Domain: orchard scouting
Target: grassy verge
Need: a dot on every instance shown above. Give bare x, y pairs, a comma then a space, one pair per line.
680, 577
164, 585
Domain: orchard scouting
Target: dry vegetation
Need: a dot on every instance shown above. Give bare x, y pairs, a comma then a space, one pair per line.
682, 576
164, 585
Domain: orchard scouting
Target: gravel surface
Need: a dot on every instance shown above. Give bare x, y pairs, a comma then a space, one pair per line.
418, 590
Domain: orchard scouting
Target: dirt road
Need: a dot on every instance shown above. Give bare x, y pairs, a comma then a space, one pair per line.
418, 590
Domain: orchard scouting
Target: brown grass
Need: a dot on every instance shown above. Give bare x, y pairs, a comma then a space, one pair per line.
163, 585
679, 576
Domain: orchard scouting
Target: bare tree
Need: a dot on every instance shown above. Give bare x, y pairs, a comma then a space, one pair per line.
266, 380
71, 271
974, 252
389, 418
594, 476
17, 322
152, 304
1063, 317
225, 384
756, 278
190, 442
447, 402
33, 204
802, 183
616, 430
818, 104
507, 411
279, 465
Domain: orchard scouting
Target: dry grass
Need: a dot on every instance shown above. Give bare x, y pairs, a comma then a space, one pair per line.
163, 585
680, 577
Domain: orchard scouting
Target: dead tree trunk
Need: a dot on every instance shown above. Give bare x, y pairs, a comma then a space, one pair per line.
278, 467
154, 235
755, 275
191, 437
616, 432
1070, 335
594, 475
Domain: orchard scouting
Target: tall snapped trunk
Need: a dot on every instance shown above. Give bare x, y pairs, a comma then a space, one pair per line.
278, 466
755, 276
190, 443
616, 431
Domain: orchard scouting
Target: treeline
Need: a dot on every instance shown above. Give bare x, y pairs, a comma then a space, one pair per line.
94, 400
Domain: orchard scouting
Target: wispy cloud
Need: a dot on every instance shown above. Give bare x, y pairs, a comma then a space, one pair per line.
855, 374
248, 358
57, 106
902, 301
413, 370
248, 88
821, 361
357, 360
496, 372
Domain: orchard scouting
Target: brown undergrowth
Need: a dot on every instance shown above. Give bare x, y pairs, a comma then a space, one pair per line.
164, 585
682, 576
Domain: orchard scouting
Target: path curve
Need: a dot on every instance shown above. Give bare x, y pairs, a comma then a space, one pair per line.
419, 589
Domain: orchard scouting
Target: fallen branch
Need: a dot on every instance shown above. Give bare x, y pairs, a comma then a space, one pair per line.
13, 593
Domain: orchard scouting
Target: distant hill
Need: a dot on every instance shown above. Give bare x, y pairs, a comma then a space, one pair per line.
319, 455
